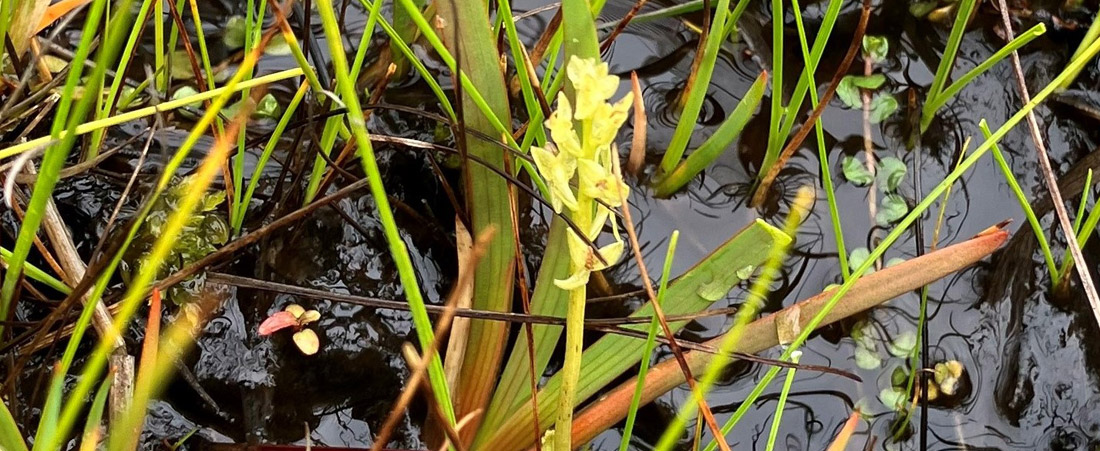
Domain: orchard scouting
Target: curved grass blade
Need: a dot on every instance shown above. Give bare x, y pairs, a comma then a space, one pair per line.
712, 148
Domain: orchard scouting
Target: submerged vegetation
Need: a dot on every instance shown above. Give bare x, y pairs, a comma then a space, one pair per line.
529, 157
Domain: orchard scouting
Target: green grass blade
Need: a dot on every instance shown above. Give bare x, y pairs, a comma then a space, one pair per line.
11, 439
1025, 205
146, 112
777, 109
1087, 229
810, 61
400, 253
717, 143
962, 17
1084, 202
37, 274
95, 412
488, 200
269, 148
404, 48
1020, 41
1090, 35
806, 81
650, 344
782, 402
547, 299
698, 90
116, 84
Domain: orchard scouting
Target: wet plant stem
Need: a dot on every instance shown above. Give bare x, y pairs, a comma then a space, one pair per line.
574, 337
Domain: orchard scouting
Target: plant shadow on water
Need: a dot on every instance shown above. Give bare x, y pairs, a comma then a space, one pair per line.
1032, 379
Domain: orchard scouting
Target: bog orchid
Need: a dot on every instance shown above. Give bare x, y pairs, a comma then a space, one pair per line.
582, 152
583, 181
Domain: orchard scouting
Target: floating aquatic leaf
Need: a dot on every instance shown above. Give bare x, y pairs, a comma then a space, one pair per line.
856, 172
268, 107
921, 9
234, 35
277, 46
848, 89
857, 257
883, 105
876, 47
893, 398
903, 344
899, 376
278, 321
893, 208
867, 359
894, 261
891, 172
307, 342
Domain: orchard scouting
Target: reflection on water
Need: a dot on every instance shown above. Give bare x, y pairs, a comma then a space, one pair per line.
1032, 376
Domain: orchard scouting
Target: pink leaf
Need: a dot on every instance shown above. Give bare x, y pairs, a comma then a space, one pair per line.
278, 321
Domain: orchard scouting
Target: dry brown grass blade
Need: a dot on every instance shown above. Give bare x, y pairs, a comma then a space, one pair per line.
761, 334
840, 443
463, 289
804, 131
641, 123
460, 327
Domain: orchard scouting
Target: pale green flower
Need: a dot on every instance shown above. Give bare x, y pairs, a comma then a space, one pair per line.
608, 120
585, 261
560, 124
557, 169
592, 83
600, 183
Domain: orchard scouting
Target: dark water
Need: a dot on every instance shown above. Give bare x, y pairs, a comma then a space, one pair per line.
1031, 370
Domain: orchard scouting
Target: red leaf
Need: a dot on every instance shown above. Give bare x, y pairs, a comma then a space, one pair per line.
278, 321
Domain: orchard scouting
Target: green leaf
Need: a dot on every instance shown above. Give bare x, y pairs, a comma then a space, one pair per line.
891, 172
858, 256
892, 209
921, 9
234, 34
848, 89
867, 359
899, 376
181, 66
856, 172
903, 344
882, 107
893, 398
876, 47
894, 261
278, 46
268, 108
